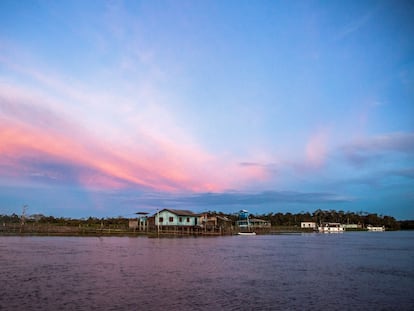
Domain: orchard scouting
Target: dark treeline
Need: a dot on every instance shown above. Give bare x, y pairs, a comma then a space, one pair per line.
276, 219
407, 224
319, 216
64, 221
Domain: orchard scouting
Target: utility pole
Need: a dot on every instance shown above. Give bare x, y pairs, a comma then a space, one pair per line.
158, 222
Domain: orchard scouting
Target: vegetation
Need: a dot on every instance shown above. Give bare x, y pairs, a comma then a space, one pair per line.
407, 225
276, 219
319, 216
117, 222
361, 218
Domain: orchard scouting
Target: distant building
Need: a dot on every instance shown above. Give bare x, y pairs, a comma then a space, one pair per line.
259, 223
133, 224
308, 225
245, 221
213, 221
141, 223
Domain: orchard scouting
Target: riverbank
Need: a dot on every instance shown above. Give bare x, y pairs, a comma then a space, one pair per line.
85, 230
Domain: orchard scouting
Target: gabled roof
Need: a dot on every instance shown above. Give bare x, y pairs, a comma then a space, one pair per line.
180, 212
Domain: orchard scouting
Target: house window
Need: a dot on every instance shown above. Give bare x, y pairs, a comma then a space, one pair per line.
161, 219
180, 219
188, 219
171, 219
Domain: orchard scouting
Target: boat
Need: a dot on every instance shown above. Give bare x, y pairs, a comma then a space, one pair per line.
331, 227
246, 233
375, 229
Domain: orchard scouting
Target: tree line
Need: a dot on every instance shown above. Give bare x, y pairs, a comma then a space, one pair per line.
276, 219
63, 221
320, 216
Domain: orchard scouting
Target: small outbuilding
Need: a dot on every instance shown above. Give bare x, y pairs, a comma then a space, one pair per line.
212, 222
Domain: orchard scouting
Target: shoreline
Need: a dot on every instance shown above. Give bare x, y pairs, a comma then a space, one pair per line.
148, 234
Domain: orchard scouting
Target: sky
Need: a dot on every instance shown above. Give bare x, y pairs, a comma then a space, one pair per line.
108, 108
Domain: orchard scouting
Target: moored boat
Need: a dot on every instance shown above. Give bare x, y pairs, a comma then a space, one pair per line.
246, 233
331, 227
375, 229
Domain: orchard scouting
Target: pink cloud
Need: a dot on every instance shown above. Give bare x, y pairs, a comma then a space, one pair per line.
28, 130
112, 140
316, 149
104, 167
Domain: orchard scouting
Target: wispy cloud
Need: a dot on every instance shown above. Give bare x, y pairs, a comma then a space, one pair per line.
236, 199
355, 25
379, 180
33, 133
316, 148
365, 150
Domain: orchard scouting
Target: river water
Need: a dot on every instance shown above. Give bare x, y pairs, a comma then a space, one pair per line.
352, 270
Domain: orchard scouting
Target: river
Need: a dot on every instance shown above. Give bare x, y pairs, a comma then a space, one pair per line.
352, 270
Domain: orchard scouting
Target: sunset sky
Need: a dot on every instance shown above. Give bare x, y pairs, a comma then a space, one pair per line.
108, 108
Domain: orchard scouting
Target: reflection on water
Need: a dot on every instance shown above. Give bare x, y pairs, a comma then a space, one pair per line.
336, 272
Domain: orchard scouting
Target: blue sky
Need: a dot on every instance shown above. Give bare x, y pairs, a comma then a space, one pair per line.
112, 107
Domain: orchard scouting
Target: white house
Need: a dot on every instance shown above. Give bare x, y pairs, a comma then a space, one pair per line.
175, 217
308, 225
